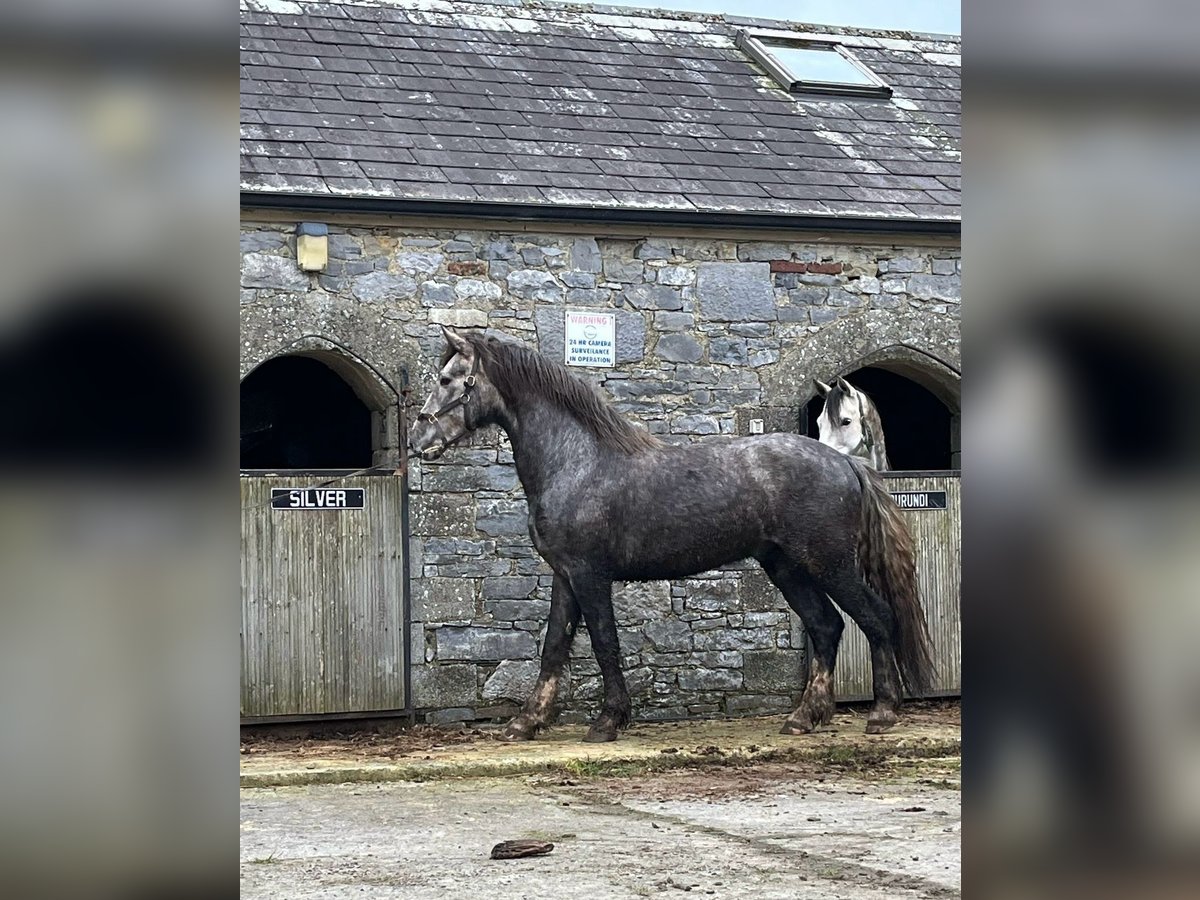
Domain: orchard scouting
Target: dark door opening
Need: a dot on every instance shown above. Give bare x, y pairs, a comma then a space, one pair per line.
297, 413
917, 425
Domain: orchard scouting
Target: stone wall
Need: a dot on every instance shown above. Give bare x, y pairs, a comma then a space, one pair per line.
710, 332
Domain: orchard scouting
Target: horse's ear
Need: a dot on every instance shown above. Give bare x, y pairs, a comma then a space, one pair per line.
822, 388
844, 385
459, 343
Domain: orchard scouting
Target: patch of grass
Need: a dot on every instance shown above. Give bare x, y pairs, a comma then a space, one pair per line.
264, 860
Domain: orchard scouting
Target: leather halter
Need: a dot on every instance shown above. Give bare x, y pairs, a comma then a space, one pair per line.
462, 399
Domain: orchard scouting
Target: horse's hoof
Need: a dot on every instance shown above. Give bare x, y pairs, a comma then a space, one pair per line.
878, 723
600, 734
513, 732
796, 726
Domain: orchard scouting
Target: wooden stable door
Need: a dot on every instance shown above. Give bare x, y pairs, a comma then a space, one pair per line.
938, 538
323, 619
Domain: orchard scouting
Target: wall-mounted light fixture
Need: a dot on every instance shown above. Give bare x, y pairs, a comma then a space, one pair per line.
312, 246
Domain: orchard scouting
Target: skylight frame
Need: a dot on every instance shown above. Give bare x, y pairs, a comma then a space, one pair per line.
758, 46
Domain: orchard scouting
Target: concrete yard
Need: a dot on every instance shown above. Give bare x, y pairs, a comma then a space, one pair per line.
716, 809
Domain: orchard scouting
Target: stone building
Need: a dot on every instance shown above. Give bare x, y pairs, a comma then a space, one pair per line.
749, 227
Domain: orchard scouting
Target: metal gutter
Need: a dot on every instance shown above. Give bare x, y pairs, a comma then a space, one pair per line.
545, 212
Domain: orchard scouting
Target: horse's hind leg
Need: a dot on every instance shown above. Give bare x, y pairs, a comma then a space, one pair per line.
824, 628
878, 623
560, 632
594, 596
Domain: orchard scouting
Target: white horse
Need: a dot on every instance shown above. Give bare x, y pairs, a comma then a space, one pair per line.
850, 423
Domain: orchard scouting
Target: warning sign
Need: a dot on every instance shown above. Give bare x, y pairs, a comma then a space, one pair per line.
591, 339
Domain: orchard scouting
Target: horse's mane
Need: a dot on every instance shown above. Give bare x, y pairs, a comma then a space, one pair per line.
515, 370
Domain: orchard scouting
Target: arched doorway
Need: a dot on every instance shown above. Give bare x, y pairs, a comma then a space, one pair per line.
297, 413
922, 431
316, 410
325, 605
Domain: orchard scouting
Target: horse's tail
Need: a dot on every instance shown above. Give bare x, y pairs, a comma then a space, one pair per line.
887, 563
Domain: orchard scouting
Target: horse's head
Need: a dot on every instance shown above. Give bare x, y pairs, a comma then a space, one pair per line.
461, 401
843, 421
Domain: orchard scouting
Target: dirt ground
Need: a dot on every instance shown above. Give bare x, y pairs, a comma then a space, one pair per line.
396, 743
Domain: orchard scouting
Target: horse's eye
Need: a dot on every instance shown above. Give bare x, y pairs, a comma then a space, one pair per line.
845, 422
445, 381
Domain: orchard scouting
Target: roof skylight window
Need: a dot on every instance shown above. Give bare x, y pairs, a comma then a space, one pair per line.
810, 67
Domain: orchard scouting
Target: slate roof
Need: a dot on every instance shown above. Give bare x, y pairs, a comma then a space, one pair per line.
527, 102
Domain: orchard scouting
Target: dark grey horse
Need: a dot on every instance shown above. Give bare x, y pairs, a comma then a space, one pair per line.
610, 502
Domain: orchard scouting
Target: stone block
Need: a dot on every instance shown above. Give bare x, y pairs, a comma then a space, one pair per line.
676, 276
695, 425
499, 250
454, 479
728, 351
679, 348
517, 610
725, 638
268, 240
444, 686
579, 280
935, 287
277, 273
622, 269
669, 635
773, 671
514, 587
764, 252
459, 318
419, 263
534, 284
654, 249
903, 265
641, 601
585, 255
710, 595
674, 321
379, 287
473, 289
653, 296
500, 517
735, 292
434, 294
443, 599
759, 594
474, 643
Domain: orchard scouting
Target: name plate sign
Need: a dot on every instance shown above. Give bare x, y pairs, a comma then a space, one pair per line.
920, 499
318, 498
591, 339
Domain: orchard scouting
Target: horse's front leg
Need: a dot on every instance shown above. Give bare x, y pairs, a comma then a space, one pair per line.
594, 596
538, 710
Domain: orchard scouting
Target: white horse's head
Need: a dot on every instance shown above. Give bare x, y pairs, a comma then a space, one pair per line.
850, 423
